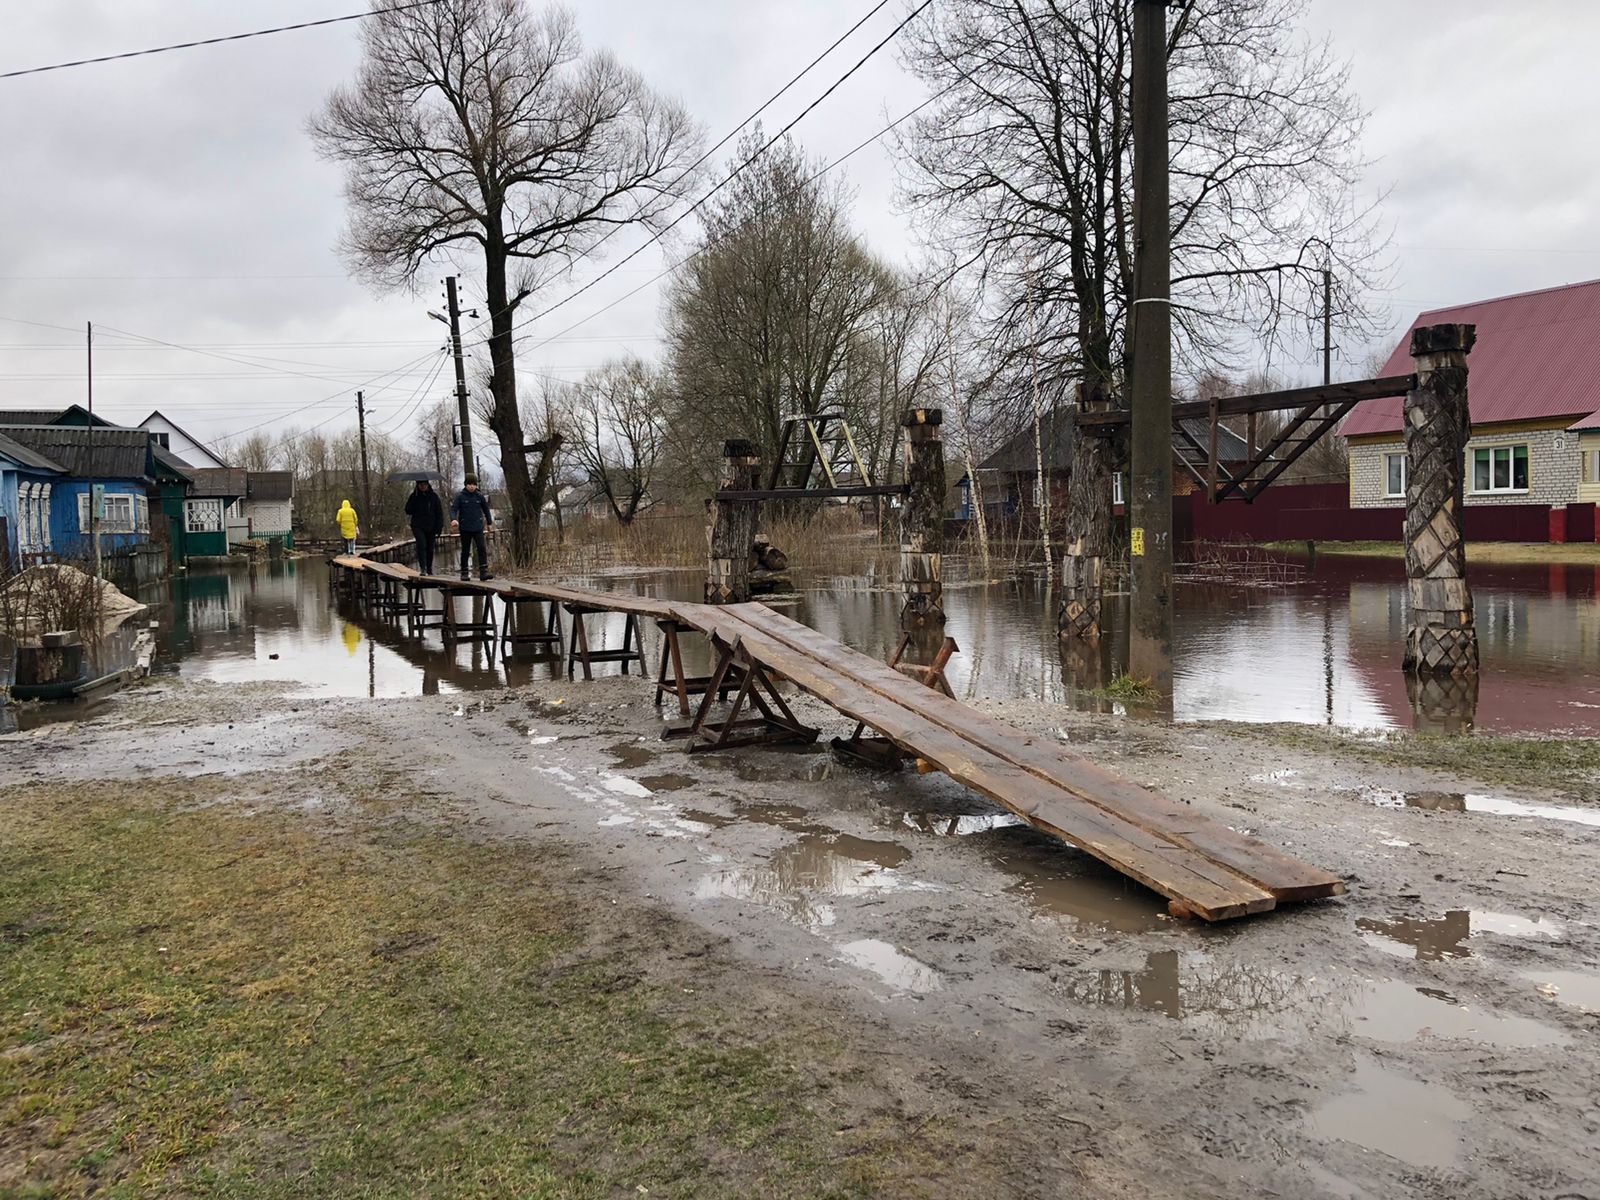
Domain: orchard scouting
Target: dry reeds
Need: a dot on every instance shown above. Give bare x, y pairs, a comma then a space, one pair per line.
52, 597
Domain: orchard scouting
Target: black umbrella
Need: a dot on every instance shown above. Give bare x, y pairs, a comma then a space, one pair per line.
414, 476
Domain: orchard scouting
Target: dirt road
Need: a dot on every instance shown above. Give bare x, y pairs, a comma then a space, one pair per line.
1435, 1033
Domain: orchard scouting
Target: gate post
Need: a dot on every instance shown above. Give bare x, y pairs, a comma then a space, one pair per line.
1088, 537
922, 520
1441, 639
732, 529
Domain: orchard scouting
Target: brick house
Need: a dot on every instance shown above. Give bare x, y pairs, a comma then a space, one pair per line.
1534, 391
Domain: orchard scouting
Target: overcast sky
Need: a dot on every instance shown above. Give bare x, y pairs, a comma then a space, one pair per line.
177, 196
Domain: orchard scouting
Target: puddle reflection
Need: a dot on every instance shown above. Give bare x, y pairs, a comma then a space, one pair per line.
1418, 1123
1432, 939
1468, 802
800, 879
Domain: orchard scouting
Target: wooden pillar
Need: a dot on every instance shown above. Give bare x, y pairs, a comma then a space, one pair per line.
922, 520
732, 529
1088, 539
1441, 639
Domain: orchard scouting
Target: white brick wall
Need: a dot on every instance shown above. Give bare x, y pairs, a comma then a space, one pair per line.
1554, 470
268, 517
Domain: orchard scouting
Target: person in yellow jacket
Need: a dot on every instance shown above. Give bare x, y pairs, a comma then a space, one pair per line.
349, 526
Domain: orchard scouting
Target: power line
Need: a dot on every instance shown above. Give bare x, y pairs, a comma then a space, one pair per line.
232, 37
732, 175
339, 395
417, 398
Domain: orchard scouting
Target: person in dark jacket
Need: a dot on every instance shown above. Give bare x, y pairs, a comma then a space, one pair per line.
427, 522
470, 516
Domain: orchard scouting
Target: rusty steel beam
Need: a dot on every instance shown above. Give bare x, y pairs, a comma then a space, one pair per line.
1291, 398
1283, 464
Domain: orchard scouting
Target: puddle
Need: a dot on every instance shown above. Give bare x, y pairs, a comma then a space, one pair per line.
900, 971
782, 816
773, 766
1388, 1112
1431, 939
1091, 902
1580, 989
672, 783
1397, 1012
957, 825
623, 786
631, 755
1470, 802
1282, 775
800, 879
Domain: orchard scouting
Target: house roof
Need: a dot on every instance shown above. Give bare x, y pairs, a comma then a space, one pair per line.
1536, 357
25, 457
176, 428
1592, 421
269, 485
227, 482
88, 453
72, 414
1018, 456
170, 463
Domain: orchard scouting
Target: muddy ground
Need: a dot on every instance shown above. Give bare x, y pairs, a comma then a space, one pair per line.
1435, 1033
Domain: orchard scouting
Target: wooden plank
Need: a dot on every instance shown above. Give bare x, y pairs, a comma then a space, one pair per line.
1259, 402
1210, 891
1285, 876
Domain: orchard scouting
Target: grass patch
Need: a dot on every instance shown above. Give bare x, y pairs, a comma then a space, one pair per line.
198, 1001
1505, 554
1125, 689
1570, 765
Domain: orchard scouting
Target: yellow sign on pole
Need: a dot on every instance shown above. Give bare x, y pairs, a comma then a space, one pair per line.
1137, 539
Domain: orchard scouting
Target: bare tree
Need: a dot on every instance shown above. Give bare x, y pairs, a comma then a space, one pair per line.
1021, 171
478, 130
617, 427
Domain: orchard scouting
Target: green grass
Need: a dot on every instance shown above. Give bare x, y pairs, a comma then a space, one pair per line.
1126, 689
1506, 554
1570, 765
196, 1001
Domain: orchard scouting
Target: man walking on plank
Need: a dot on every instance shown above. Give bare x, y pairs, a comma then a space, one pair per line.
470, 516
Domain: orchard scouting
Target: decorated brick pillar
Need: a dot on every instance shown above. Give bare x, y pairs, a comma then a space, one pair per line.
922, 520
1441, 639
732, 529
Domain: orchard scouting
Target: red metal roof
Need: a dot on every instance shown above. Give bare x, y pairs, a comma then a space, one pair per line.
1537, 356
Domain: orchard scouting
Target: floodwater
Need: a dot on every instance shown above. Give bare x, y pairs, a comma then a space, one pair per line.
1322, 649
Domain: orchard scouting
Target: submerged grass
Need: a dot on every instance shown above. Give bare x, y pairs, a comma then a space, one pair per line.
1565, 764
1126, 689
1505, 554
202, 1001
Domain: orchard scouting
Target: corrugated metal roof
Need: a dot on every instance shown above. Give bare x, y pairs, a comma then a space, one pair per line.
1537, 356
269, 485
29, 416
1592, 421
25, 457
88, 453
171, 462
227, 482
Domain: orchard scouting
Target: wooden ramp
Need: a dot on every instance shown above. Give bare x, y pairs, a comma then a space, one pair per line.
1202, 866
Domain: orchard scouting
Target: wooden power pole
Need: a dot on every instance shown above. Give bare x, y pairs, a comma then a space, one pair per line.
366, 473
464, 415
1150, 499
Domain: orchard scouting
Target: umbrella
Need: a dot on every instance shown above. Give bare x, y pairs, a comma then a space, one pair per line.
414, 476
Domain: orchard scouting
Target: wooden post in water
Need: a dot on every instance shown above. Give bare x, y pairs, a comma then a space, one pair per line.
922, 520
1088, 526
732, 529
1441, 640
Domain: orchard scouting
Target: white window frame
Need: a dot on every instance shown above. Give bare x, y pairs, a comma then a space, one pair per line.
120, 515
1116, 488
1388, 460
1590, 459
215, 507
1510, 450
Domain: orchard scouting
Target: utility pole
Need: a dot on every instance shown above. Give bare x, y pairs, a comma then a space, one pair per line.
1327, 326
96, 493
1150, 507
467, 465
366, 475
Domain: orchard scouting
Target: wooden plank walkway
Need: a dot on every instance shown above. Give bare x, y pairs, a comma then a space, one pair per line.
1203, 867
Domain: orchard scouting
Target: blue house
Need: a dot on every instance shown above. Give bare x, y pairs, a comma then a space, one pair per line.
120, 462
27, 481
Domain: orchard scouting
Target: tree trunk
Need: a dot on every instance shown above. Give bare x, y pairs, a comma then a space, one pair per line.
524, 491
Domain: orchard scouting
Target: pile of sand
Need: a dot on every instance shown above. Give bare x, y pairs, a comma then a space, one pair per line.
59, 596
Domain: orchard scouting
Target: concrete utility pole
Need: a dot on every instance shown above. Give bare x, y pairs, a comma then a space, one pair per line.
468, 466
1327, 327
95, 500
1150, 498
366, 474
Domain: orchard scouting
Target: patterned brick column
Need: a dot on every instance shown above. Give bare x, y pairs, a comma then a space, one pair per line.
732, 528
1441, 639
922, 520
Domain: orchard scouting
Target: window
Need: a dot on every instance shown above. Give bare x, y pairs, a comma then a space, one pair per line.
1394, 474
1591, 466
118, 516
1500, 469
202, 516
1116, 487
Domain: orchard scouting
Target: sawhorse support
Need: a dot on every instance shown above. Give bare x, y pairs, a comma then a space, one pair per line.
524, 625
677, 683
476, 628
776, 724
631, 650
880, 751
420, 617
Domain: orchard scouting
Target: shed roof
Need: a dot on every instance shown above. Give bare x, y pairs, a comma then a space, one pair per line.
1537, 357
269, 485
169, 463
23, 456
227, 482
88, 453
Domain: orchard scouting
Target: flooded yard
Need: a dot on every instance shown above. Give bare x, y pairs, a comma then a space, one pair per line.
1324, 650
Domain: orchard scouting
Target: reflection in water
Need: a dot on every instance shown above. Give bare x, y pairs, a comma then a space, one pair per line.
896, 968
1415, 1122
1443, 705
799, 880
1436, 938
1326, 650
1467, 802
